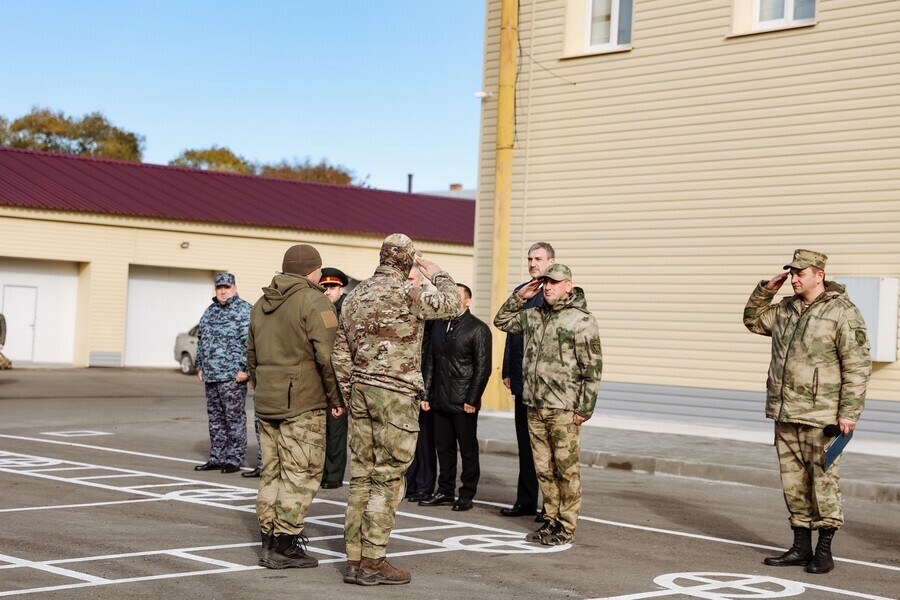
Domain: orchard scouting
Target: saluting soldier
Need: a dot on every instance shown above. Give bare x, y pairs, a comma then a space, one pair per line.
818, 376
561, 377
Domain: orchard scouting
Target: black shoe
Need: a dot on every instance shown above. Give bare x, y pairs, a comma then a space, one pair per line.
418, 497
208, 466
438, 499
289, 552
517, 510
253, 473
230, 469
799, 554
822, 562
540, 516
462, 504
331, 485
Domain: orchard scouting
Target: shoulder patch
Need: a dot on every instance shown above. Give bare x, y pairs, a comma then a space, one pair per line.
860, 336
329, 319
595, 346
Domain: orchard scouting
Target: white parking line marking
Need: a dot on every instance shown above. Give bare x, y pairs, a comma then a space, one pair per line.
21, 562
85, 505
729, 586
90, 447
76, 433
710, 538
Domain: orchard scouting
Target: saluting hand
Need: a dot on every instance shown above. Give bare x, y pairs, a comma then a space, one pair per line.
429, 269
529, 290
776, 282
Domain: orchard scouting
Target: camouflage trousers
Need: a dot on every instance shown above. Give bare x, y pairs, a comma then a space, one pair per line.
556, 445
384, 426
812, 495
227, 422
293, 455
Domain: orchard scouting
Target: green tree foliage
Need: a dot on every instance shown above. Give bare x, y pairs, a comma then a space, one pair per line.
320, 172
213, 159
90, 135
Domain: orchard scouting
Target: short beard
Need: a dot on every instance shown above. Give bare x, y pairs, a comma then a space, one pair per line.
550, 301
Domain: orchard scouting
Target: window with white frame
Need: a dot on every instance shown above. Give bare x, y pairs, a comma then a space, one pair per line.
783, 13
609, 23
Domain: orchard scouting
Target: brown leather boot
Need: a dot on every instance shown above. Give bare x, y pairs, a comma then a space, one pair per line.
375, 571
350, 571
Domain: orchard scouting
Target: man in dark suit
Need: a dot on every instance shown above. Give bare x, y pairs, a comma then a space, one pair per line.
540, 256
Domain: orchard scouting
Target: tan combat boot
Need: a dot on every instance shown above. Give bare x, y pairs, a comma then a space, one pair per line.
375, 571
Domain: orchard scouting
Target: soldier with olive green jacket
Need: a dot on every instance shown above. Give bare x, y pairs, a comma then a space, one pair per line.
818, 375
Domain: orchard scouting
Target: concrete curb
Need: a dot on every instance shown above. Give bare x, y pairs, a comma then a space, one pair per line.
885, 493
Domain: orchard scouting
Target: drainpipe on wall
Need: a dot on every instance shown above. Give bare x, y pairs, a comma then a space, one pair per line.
497, 396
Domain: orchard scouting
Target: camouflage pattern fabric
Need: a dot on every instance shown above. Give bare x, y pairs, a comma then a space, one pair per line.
227, 422
556, 445
222, 340
384, 426
293, 455
828, 348
812, 495
379, 341
377, 358
563, 359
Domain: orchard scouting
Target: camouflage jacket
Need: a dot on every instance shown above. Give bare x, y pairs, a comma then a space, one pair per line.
292, 330
820, 356
382, 323
563, 360
222, 342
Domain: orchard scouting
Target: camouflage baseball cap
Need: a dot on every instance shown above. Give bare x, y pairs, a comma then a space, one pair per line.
807, 258
558, 272
226, 279
400, 240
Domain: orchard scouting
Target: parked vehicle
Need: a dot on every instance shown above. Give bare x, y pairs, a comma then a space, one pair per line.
186, 350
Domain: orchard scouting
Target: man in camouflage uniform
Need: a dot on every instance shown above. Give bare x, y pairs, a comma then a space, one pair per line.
561, 371
292, 329
222, 366
818, 376
377, 359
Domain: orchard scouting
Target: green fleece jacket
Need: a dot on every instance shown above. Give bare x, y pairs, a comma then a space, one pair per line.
292, 329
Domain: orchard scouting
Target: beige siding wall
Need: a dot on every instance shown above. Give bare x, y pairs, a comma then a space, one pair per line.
673, 177
106, 246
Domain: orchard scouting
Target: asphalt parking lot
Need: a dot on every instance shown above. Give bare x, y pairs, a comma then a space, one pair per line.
100, 501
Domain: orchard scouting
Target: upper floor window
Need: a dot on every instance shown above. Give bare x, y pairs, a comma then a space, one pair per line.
783, 13
609, 23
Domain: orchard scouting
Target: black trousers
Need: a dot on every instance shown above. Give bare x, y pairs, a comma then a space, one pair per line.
452, 430
335, 447
422, 472
527, 489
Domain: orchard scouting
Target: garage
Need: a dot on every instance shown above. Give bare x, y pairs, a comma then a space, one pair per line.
162, 302
38, 299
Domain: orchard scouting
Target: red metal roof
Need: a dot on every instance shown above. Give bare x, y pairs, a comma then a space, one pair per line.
83, 184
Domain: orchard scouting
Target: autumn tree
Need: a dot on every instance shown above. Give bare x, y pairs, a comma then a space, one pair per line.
320, 172
91, 135
214, 159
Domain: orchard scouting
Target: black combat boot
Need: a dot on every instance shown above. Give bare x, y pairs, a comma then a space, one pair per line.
267, 540
289, 552
798, 554
822, 562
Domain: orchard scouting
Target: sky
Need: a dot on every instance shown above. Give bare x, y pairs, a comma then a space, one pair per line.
382, 87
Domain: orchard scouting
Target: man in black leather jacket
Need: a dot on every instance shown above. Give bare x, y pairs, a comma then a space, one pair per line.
456, 372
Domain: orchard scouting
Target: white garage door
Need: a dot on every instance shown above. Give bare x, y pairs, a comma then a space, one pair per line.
38, 299
162, 303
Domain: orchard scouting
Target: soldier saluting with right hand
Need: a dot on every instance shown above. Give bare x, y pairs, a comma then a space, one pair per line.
818, 376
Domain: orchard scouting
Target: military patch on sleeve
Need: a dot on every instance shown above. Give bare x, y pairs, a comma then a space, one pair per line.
595, 346
861, 337
329, 318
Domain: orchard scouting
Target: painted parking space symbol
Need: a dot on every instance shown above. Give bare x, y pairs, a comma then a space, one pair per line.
733, 586
500, 544
13, 461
